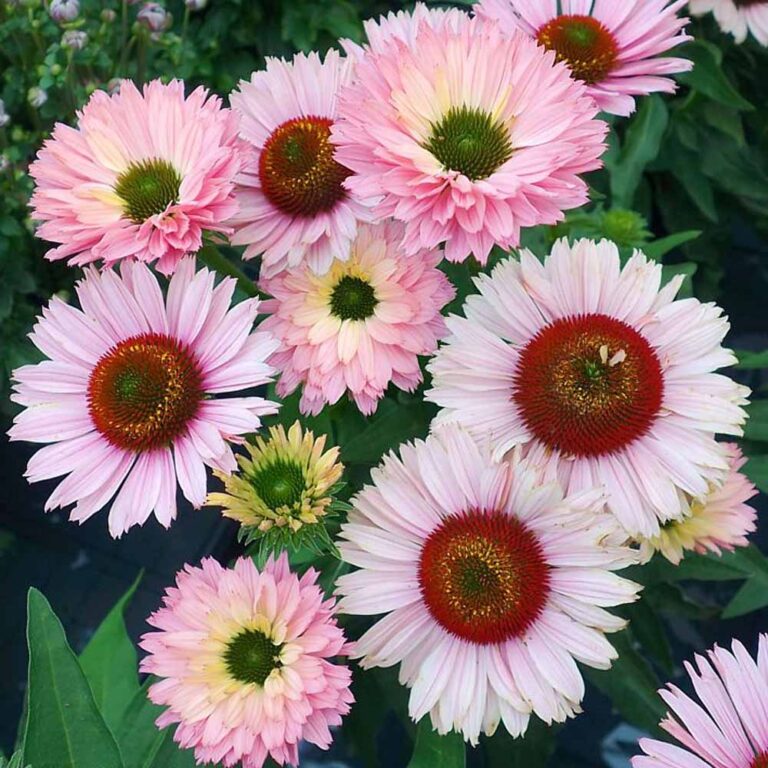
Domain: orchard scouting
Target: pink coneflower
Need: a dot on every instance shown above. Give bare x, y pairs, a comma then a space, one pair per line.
125, 396
245, 661
611, 46
493, 583
737, 17
466, 136
143, 175
729, 729
403, 25
721, 520
294, 207
361, 325
598, 370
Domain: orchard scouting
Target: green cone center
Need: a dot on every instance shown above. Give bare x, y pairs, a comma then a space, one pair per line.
148, 188
353, 299
251, 656
279, 484
471, 142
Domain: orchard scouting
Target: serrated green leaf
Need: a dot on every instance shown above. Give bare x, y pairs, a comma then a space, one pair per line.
109, 662
641, 145
432, 749
64, 727
707, 76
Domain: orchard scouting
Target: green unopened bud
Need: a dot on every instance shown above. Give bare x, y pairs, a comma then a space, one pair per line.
624, 227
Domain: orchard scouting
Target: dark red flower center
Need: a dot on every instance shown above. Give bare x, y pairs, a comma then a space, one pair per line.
297, 169
483, 576
144, 392
761, 761
588, 385
583, 43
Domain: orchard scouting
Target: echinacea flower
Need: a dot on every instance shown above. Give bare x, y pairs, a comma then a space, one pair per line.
597, 369
466, 135
143, 175
721, 520
361, 325
286, 482
294, 208
245, 661
737, 17
613, 47
493, 584
126, 395
729, 729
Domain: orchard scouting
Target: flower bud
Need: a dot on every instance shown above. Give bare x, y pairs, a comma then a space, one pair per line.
154, 17
37, 96
75, 39
64, 10
108, 15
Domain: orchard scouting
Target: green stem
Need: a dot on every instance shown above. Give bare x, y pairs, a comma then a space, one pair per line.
212, 257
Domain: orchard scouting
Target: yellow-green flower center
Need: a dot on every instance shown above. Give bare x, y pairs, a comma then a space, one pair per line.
279, 484
251, 657
148, 188
353, 299
471, 142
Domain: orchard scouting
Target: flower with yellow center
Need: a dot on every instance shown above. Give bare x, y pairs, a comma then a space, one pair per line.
285, 486
719, 521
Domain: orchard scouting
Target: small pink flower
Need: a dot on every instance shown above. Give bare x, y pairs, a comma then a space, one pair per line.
611, 45
142, 176
294, 208
466, 135
125, 396
729, 729
361, 325
245, 658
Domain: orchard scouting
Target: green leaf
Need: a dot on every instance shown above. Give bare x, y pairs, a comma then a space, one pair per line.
707, 76
631, 685
213, 258
641, 146
756, 469
401, 423
64, 728
109, 662
687, 268
16, 761
757, 424
751, 360
649, 630
433, 750
752, 596
659, 248
531, 751
142, 743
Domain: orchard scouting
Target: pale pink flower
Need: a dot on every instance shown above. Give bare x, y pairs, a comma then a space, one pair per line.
294, 208
466, 135
729, 729
737, 17
126, 394
361, 325
493, 584
142, 176
245, 661
611, 46
600, 372
721, 520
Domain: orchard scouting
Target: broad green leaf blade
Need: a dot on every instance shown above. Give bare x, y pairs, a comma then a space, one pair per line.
707, 76
434, 750
756, 469
688, 269
751, 360
631, 685
659, 248
757, 424
648, 628
531, 751
641, 145
109, 662
752, 596
65, 728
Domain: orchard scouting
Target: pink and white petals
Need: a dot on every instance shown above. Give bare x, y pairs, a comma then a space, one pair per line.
739, 19
126, 399
142, 176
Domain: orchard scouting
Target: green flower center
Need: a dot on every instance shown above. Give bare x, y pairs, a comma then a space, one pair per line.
280, 484
251, 657
148, 188
471, 142
353, 299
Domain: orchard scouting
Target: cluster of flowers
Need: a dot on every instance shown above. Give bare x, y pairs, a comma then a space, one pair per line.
579, 399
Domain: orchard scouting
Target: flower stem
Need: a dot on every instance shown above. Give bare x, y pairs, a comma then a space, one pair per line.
212, 257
